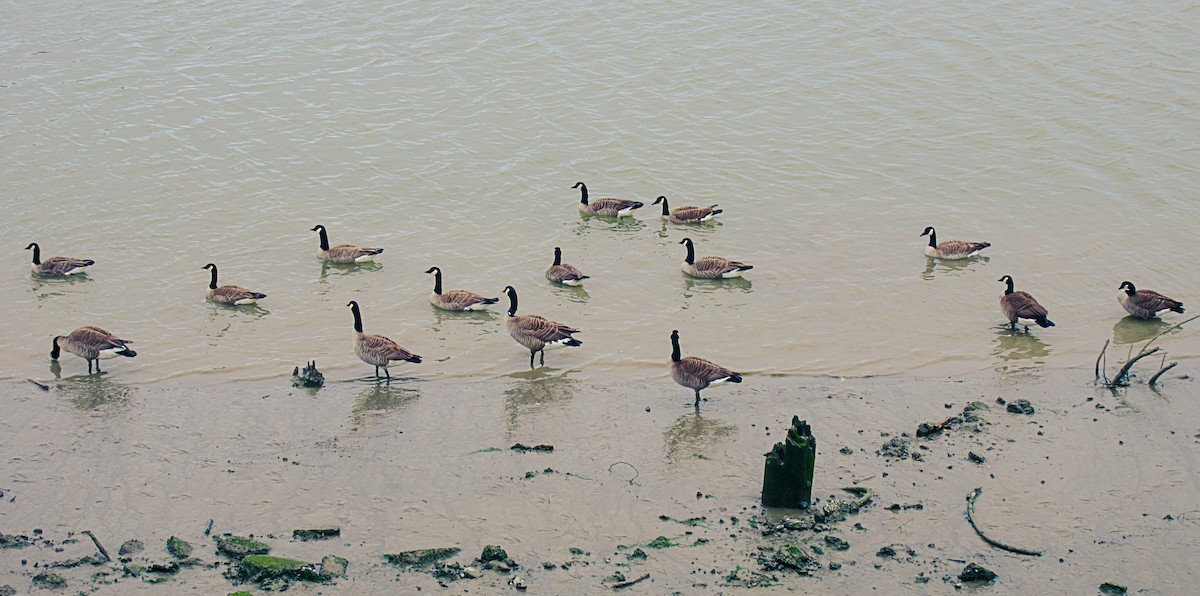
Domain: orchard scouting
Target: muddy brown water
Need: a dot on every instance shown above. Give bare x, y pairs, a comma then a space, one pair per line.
157, 138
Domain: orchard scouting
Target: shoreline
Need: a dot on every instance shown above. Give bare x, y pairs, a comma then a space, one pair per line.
421, 465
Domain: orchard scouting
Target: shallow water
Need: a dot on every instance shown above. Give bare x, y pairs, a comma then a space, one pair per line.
155, 138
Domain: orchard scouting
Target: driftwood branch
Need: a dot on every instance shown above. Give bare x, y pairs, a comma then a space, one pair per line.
996, 543
630, 582
1103, 351
99, 547
1158, 374
1122, 378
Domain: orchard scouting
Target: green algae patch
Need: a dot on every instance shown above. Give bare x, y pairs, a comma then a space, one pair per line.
262, 568
661, 542
420, 558
317, 533
239, 546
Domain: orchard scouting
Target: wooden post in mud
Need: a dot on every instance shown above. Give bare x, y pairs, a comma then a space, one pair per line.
788, 476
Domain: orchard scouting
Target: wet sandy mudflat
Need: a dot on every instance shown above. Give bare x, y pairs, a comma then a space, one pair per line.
1107, 486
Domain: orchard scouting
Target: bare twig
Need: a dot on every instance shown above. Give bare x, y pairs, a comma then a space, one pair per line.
1168, 330
630, 582
1154, 379
1099, 358
636, 473
40, 385
99, 547
1122, 378
1000, 545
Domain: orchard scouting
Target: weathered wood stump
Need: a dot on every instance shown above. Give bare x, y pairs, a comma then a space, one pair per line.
788, 475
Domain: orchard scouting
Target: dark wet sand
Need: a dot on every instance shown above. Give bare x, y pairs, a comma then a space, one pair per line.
1089, 479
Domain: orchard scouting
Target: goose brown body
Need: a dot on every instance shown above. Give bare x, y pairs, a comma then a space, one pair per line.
343, 253
92, 344
562, 273
1020, 306
951, 250
456, 300
56, 266
608, 206
687, 214
696, 373
534, 332
1146, 304
710, 267
235, 295
377, 349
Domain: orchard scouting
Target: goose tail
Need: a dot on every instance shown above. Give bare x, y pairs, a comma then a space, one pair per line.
735, 378
573, 343
1044, 322
127, 353
1178, 308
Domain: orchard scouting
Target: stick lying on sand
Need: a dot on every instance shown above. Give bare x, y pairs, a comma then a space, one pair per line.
996, 543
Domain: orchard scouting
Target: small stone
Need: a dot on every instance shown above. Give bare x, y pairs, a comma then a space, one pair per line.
1021, 406
333, 566
1112, 589
975, 457
317, 533
835, 566
179, 548
472, 573
52, 581
976, 573
420, 558
7, 590
240, 546
497, 566
131, 547
636, 554
492, 552
519, 584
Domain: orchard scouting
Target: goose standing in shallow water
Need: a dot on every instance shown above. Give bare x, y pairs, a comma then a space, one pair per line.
534, 332
710, 267
1145, 304
377, 349
1023, 307
56, 266
458, 300
91, 344
697, 373
609, 207
951, 250
235, 295
343, 253
687, 214
562, 273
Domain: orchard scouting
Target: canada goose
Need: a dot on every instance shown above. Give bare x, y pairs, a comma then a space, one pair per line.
344, 253
951, 249
609, 207
235, 295
377, 349
710, 267
534, 332
697, 373
687, 214
1022, 306
92, 344
56, 266
456, 299
562, 273
1145, 304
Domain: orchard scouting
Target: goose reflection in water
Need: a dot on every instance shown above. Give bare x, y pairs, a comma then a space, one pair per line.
692, 285
934, 267
693, 434
1132, 330
536, 391
381, 400
92, 392
1015, 346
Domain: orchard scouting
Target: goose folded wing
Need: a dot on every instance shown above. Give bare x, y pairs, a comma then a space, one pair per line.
63, 264
1151, 300
235, 293
386, 348
705, 370
1026, 307
351, 252
544, 329
716, 265
462, 298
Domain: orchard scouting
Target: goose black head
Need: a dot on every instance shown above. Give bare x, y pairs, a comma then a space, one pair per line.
928, 231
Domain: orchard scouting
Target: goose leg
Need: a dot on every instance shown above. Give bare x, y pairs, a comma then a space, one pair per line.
376, 371
531, 353
389, 375
90, 367
697, 404
542, 360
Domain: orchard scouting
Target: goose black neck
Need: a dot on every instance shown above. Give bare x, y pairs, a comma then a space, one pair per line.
512, 302
664, 202
691, 254
557, 256
583, 193
437, 281
933, 238
357, 317
674, 347
37, 254
1009, 289
324, 238
212, 285
54, 352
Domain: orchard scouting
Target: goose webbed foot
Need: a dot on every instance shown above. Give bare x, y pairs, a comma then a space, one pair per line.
531, 354
542, 359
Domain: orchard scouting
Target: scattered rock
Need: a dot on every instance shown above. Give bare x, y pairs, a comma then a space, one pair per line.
1021, 406
14, 541
7, 590
1111, 589
167, 568
661, 542
420, 558
925, 429
333, 566
846, 451
792, 556
523, 449
240, 546
836, 543
471, 573
309, 377
975, 457
264, 568
500, 566
976, 573
897, 448
52, 581
637, 553
492, 552
317, 533
131, 547
179, 548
